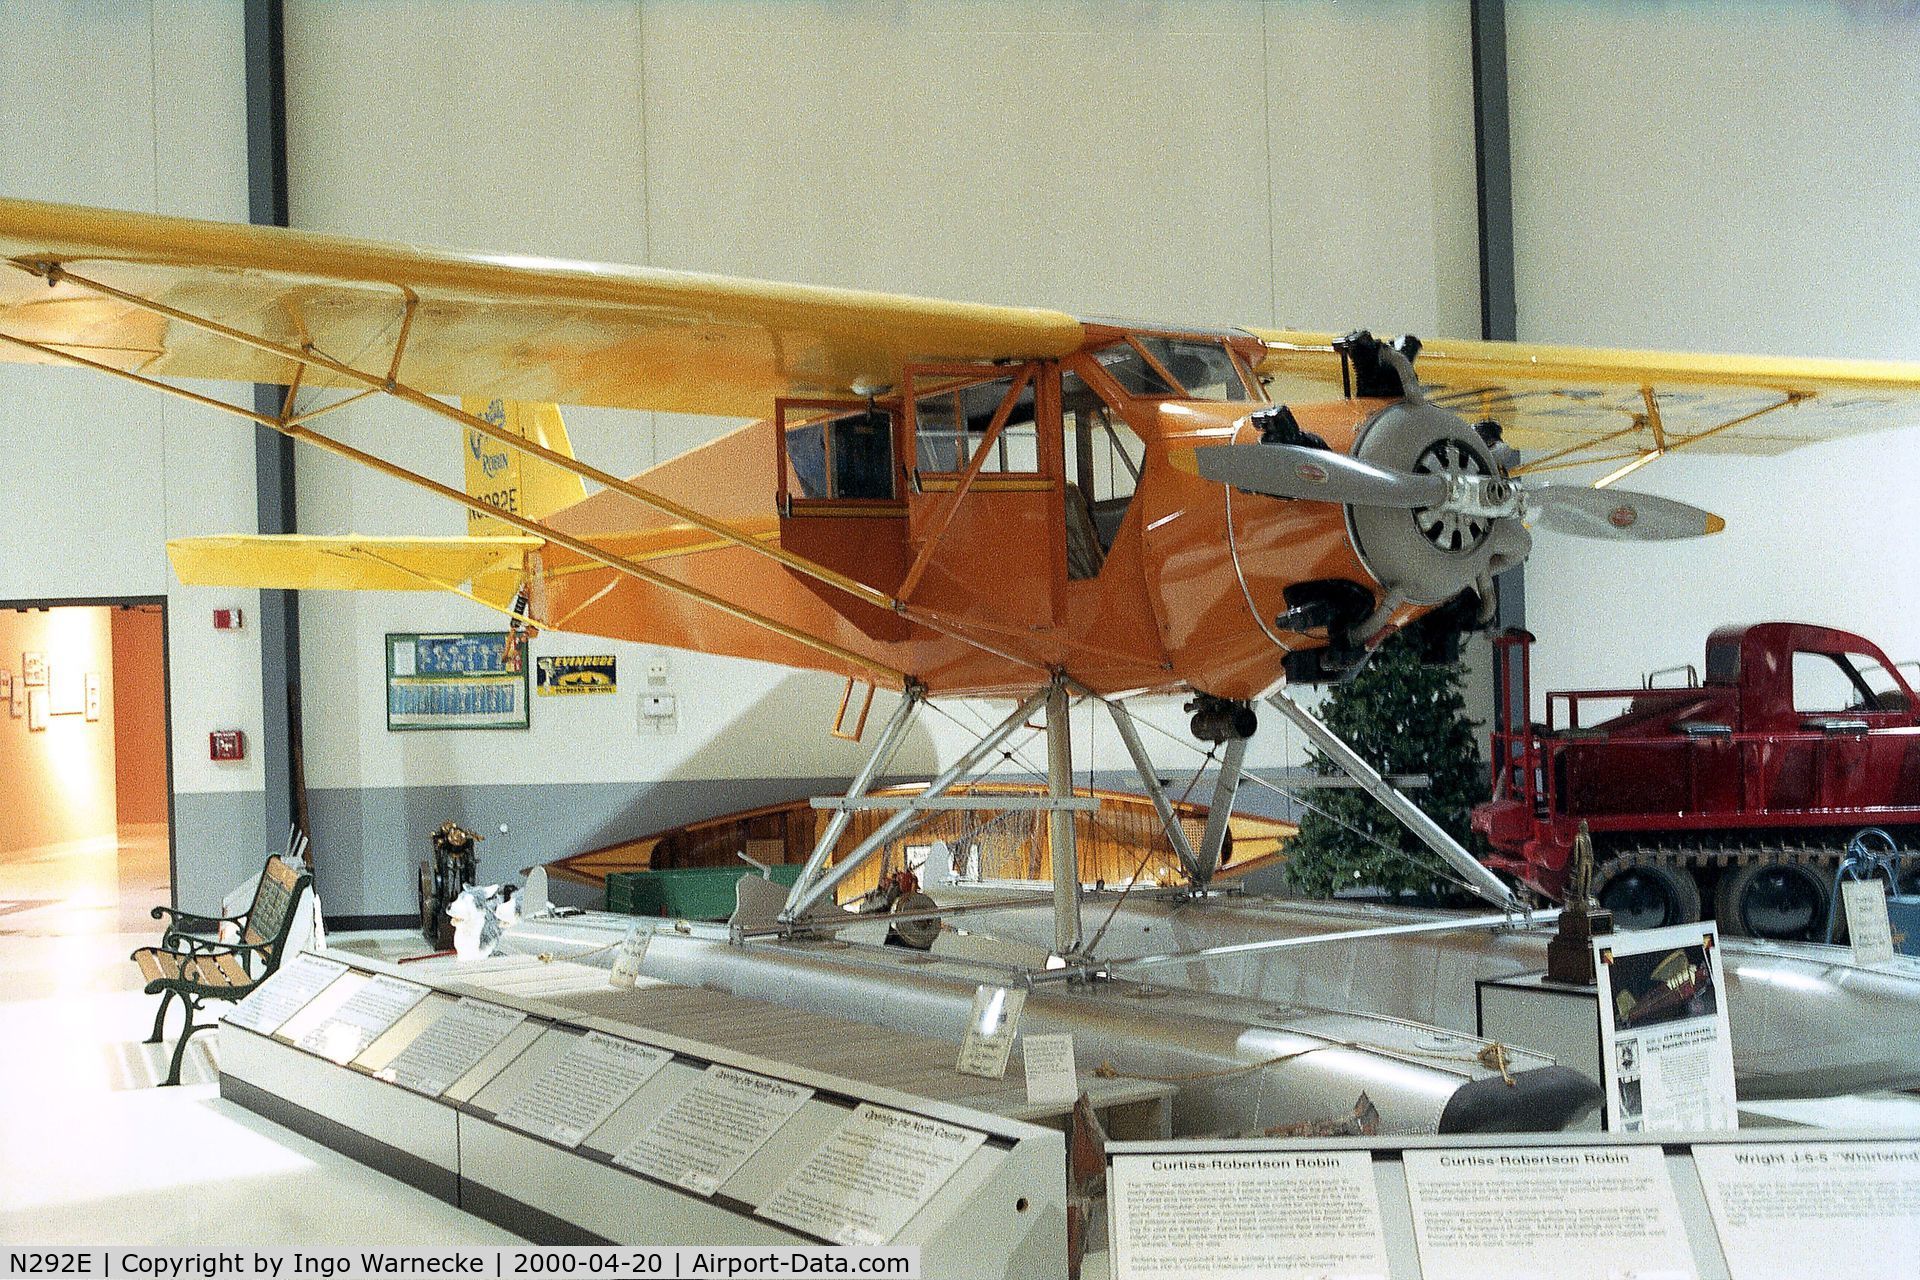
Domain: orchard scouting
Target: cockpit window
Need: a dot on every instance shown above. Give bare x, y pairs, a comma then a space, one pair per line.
1178, 368
1203, 368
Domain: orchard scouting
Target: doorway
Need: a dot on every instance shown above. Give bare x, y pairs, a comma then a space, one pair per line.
86, 841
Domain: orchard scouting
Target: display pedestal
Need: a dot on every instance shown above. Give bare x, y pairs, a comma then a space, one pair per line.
573, 1128
1554, 1018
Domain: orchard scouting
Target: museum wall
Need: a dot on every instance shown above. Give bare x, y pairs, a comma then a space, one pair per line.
1214, 162
1740, 180
59, 780
136, 106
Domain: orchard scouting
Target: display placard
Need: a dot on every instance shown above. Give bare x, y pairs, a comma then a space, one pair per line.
992, 1024
287, 992
1665, 1052
713, 1128
460, 680
869, 1178
1254, 1215
1868, 928
364, 1018
1573, 1213
628, 959
1787, 1210
1052, 1079
580, 1089
452, 1046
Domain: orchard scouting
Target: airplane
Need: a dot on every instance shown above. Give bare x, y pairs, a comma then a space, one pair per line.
945, 499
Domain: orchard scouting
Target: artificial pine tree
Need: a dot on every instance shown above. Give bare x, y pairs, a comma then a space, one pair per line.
1404, 716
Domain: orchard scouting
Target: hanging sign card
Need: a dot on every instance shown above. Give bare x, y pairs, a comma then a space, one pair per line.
589, 1082
1867, 925
708, 1132
1052, 1079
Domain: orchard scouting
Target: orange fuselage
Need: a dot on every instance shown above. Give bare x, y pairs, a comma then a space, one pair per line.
1182, 595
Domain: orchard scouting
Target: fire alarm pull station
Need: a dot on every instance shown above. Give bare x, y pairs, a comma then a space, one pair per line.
227, 620
226, 744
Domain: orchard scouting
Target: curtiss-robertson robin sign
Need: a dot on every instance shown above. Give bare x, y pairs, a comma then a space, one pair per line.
585, 673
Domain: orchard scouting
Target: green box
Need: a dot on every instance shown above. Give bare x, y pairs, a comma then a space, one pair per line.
689, 893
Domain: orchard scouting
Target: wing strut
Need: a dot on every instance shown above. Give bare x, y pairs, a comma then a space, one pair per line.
288, 423
619, 564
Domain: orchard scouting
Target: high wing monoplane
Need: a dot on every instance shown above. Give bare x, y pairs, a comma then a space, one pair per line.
941, 498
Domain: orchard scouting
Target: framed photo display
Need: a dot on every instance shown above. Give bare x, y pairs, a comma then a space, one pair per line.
453, 680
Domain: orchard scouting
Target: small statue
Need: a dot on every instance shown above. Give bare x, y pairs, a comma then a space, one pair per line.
1570, 951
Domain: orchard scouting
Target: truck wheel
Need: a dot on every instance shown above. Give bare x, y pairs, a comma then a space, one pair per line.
1785, 901
1645, 897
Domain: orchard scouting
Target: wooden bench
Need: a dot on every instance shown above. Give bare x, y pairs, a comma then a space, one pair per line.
198, 968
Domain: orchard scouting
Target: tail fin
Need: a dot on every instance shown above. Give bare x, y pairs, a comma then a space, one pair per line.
510, 480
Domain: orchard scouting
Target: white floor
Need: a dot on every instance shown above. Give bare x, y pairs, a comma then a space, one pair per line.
92, 1153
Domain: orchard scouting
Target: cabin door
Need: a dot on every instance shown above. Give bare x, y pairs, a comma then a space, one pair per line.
983, 511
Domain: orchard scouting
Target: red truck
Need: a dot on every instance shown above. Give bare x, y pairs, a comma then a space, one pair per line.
1731, 797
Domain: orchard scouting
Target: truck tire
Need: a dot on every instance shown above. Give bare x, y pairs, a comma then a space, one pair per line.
1646, 897
1784, 901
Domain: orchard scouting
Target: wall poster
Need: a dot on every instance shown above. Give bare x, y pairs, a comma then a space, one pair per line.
36, 710
457, 680
1665, 1050
33, 669
575, 673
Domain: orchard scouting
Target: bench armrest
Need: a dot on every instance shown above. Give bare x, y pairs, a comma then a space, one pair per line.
161, 913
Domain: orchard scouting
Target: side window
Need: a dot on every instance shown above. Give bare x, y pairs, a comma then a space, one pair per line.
1824, 683
950, 424
838, 455
1879, 682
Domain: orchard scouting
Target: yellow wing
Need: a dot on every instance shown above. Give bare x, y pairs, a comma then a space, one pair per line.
1575, 406
147, 293
301, 562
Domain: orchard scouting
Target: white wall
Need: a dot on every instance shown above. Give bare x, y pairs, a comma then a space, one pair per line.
134, 106
1739, 179
1219, 161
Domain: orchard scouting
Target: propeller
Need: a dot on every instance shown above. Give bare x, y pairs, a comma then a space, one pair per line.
1452, 493
1619, 514
1296, 471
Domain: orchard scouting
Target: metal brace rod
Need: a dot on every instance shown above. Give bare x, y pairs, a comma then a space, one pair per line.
1220, 809
798, 902
1264, 946
1063, 850
1143, 765
883, 749
862, 804
1478, 878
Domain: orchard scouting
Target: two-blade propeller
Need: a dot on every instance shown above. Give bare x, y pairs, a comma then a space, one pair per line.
1298, 471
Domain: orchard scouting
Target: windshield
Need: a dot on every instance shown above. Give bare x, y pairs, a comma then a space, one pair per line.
1178, 368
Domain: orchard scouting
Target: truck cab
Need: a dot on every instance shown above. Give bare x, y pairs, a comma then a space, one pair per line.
1731, 796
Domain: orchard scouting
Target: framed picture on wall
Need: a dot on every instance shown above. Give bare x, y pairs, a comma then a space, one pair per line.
33, 669
66, 690
36, 710
17, 703
93, 695
6, 684
464, 680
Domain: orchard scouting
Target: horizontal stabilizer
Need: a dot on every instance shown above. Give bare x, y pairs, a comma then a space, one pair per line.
302, 562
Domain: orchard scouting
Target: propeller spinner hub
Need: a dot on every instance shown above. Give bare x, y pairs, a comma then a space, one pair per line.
1451, 525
